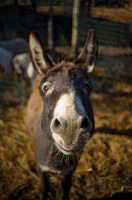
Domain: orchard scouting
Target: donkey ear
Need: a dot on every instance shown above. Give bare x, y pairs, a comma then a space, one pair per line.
89, 53
39, 58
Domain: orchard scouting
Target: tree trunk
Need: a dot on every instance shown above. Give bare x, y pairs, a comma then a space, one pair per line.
75, 20
50, 28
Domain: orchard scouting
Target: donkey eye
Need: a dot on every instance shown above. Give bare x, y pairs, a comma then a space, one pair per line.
87, 85
46, 86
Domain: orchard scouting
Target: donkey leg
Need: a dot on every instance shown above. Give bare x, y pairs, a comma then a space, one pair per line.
66, 183
44, 187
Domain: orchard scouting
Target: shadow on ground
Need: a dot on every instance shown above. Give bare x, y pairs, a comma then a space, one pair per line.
118, 196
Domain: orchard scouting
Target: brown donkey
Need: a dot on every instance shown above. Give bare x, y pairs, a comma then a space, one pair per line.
59, 112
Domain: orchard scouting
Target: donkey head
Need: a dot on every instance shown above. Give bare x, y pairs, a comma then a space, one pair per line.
67, 117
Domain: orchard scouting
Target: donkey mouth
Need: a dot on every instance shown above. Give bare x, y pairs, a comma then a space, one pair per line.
72, 151
68, 152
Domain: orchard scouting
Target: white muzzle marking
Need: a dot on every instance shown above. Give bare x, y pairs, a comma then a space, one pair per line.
69, 112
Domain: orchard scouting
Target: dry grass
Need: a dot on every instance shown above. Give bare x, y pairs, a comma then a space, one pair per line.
16, 157
106, 165
112, 14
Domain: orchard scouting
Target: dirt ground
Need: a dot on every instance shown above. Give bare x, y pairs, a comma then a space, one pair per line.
105, 168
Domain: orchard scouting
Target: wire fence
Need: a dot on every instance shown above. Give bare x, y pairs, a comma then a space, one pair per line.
16, 21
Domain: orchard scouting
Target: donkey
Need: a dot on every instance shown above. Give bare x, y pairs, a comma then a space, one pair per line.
59, 112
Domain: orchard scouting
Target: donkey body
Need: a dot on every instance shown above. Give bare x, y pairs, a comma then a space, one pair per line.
59, 113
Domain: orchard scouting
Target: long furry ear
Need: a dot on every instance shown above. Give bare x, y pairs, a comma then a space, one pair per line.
39, 58
89, 53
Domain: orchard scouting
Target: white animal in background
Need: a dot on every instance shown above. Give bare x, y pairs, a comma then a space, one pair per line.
24, 68
31, 73
20, 63
16, 45
6, 60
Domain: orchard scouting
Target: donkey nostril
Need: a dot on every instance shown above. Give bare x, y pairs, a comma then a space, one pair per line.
57, 123
86, 124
